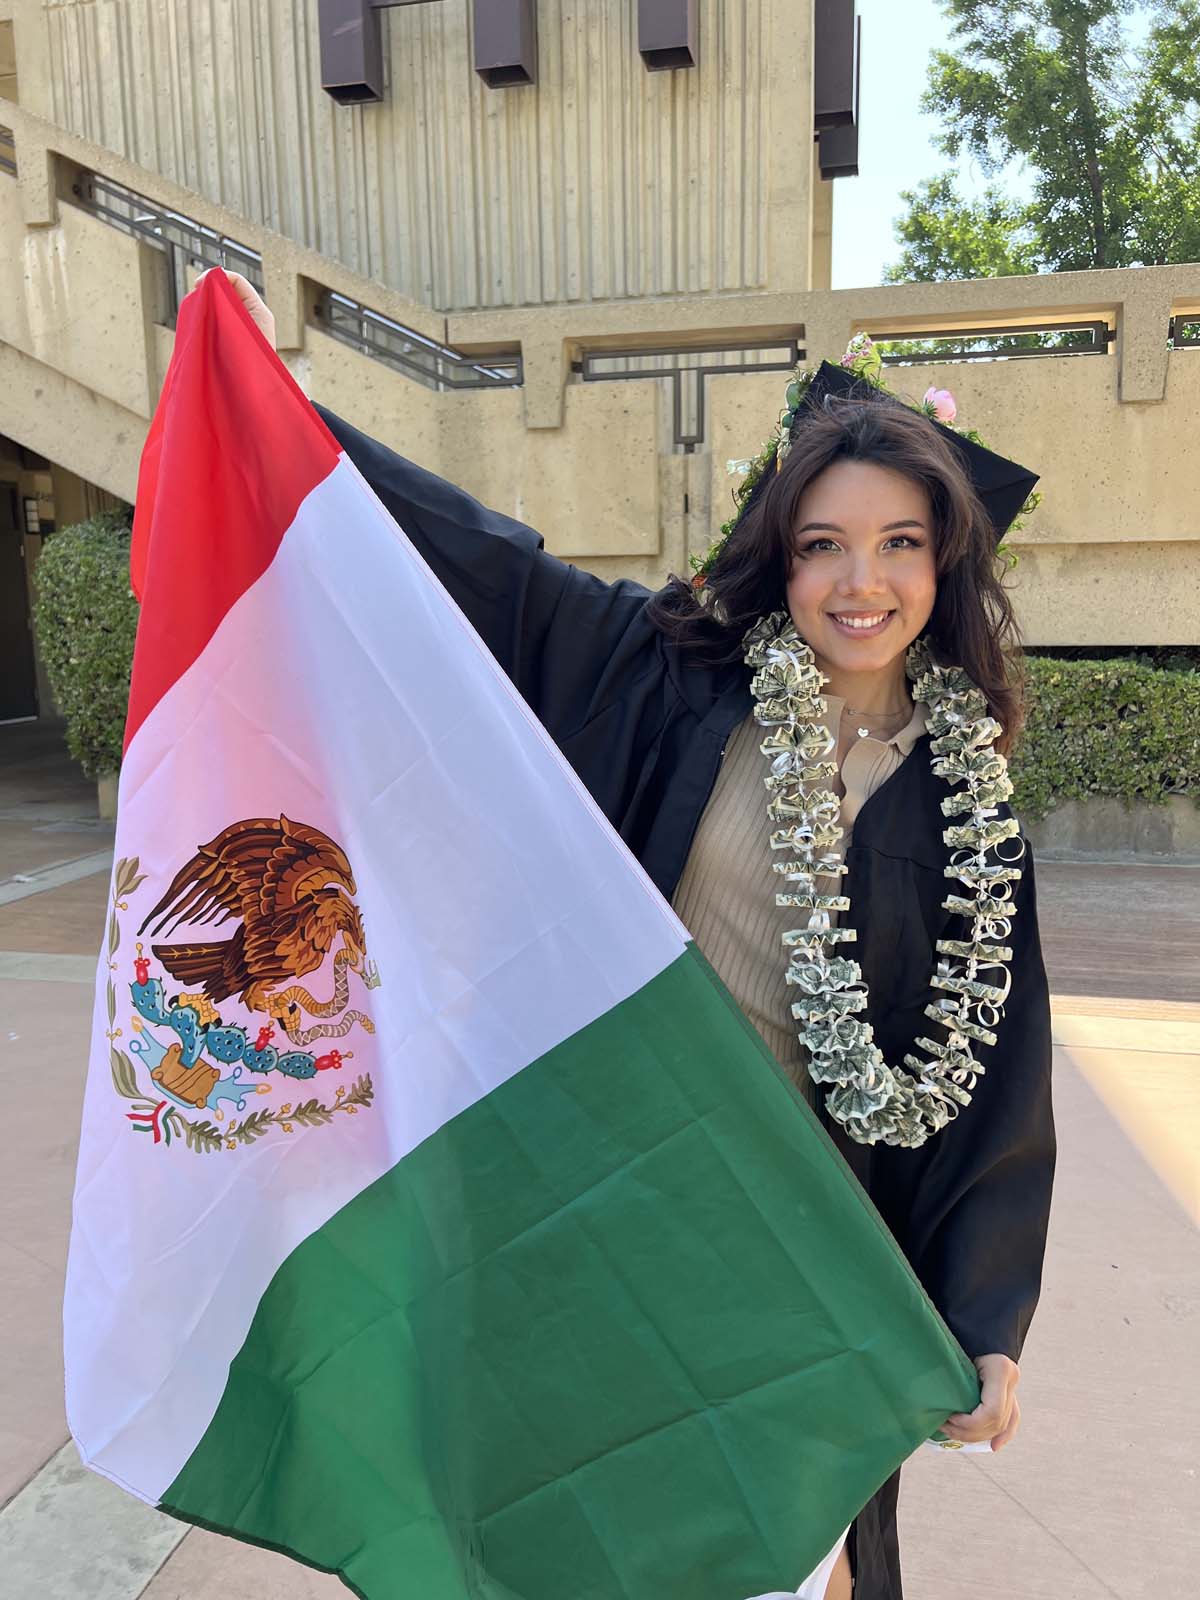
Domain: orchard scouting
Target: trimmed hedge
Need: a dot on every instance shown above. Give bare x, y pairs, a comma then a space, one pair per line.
1120, 727
86, 618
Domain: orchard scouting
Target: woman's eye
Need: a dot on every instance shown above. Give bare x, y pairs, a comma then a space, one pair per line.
818, 544
904, 539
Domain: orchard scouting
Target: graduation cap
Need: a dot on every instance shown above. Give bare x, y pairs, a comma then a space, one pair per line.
1002, 485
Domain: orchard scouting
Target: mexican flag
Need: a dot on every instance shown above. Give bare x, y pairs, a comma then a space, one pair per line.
439, 1219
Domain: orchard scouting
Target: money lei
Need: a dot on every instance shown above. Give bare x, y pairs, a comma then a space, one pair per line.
873, 1101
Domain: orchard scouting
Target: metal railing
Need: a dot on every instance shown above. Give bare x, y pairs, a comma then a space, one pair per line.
426, 361
185, 242
8, 152
1031, 339
688, 372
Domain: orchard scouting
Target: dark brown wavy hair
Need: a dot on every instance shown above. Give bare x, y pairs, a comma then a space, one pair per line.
972, 624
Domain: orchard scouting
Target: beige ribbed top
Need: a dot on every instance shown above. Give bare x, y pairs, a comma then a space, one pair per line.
726, 896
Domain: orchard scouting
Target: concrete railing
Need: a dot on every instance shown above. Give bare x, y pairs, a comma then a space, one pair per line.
1112, 555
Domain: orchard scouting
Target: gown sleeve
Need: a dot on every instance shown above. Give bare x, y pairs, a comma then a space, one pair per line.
567, 639
976, 1232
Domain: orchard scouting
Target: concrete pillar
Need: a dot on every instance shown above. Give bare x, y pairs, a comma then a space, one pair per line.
31, 37
821, 271
789, 89
1142, 341
546, 369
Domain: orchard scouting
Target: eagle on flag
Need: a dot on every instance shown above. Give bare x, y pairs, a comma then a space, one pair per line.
289, 883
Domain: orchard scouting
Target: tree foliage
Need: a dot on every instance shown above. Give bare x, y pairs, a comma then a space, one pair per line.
946, 236
1109, 130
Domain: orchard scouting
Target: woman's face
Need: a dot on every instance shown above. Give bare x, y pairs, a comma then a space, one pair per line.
863, 576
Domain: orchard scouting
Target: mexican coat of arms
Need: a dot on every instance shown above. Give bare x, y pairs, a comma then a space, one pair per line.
239, 1025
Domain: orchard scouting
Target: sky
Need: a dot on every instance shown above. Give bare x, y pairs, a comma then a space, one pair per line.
896, 148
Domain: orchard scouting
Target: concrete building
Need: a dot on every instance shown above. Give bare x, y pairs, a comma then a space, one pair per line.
560, 252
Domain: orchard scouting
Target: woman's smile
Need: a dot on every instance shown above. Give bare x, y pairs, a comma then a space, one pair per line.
861, 624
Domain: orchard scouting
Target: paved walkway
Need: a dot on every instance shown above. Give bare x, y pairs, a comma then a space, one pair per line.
1099, 1496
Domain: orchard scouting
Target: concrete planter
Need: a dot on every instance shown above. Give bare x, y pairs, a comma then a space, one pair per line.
1104, 829
106, 795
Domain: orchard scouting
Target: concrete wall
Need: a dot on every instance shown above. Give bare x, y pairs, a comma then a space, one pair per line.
543, 478
602, 181
1113, 556
72, 297
1106, 829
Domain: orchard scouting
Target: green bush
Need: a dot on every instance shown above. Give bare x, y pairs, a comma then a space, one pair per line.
1120, 727
86, 618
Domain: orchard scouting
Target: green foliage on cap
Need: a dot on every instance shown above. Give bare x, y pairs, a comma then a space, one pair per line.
86, 618
1122, 728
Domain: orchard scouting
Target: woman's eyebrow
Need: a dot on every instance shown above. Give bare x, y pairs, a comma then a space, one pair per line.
832, 527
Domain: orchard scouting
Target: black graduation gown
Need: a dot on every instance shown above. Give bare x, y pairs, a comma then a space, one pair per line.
645, 730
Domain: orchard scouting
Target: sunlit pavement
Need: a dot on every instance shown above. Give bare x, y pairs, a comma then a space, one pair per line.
1098, 1496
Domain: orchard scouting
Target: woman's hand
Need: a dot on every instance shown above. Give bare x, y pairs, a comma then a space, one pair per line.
998, 1414
251, 299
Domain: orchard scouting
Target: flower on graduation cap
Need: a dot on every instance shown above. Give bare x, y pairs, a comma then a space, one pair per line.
862, 358
940, 404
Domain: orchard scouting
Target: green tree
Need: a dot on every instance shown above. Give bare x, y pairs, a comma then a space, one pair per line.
946, 236
1110, 132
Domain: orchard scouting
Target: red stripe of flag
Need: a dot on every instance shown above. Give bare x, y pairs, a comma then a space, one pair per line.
233, 450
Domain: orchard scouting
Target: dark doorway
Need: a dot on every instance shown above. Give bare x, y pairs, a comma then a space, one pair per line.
18, 675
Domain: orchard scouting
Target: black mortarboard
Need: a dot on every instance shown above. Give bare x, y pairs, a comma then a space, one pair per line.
1002, 485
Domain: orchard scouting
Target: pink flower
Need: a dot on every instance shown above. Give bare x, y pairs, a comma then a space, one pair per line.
940, 404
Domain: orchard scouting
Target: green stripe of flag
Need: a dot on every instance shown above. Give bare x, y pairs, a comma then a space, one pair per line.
627, 1327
